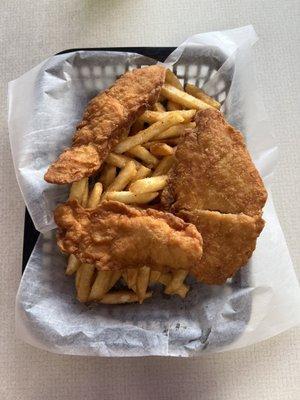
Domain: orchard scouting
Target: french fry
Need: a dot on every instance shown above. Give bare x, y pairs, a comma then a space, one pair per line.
85, 195
142, 282
85, 282
95, 196
200, 94
127, 197
154, 276
151, 117
164, 166
149, 185
159, 107
176, 281
185, 99
161, 149
142, 172
149, 133
166, 278
121, 181
143, 154
101, 285
175, 131
73, 265
78, 189
172, 79
171, 106
119, 160
108, 175
132, 274
122, 297
137, 126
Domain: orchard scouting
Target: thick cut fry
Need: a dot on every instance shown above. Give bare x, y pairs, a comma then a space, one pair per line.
143, 172
101, 285
137, 126
159, 107
164, 166
125, 176
149, 133
172, 79
85, 282
119, 160
161, 149
108, 175
142, 283
149, 185
131, 198
176, 281
143, 154
73, 265
132, 274
154, 116
200, 94
122, 297
95, 196
154, 277
185, 99
175, 131
77, 278
78, 189
171, 106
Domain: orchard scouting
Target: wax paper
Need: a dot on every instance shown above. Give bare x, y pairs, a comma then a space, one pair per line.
262, 300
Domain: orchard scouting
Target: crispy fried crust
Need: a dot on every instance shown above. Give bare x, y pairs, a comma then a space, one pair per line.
228, 242
214, 171
115, 236
105, 120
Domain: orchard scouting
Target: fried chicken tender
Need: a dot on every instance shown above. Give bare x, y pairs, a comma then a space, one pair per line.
115, 236
107, 117
228, 242
214, 171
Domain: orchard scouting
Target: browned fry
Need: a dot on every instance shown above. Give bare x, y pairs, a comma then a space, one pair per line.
122, 297
101, 285
108, 175
152, 117
123, 178
161, 149
175, 131
200, 94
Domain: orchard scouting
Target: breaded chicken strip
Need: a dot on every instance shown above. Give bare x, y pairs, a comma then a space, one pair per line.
228, 242
214, 171
115, 236
107, 117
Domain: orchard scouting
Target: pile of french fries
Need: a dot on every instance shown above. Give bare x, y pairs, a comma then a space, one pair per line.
135, 173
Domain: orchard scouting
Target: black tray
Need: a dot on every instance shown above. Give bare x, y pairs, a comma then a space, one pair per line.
159, 54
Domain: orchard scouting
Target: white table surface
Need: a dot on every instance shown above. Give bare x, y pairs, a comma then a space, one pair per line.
33, 30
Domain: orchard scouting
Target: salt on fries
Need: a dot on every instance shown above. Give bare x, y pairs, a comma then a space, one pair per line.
137, 178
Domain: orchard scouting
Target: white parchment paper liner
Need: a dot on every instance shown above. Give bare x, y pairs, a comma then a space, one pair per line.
262, 300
